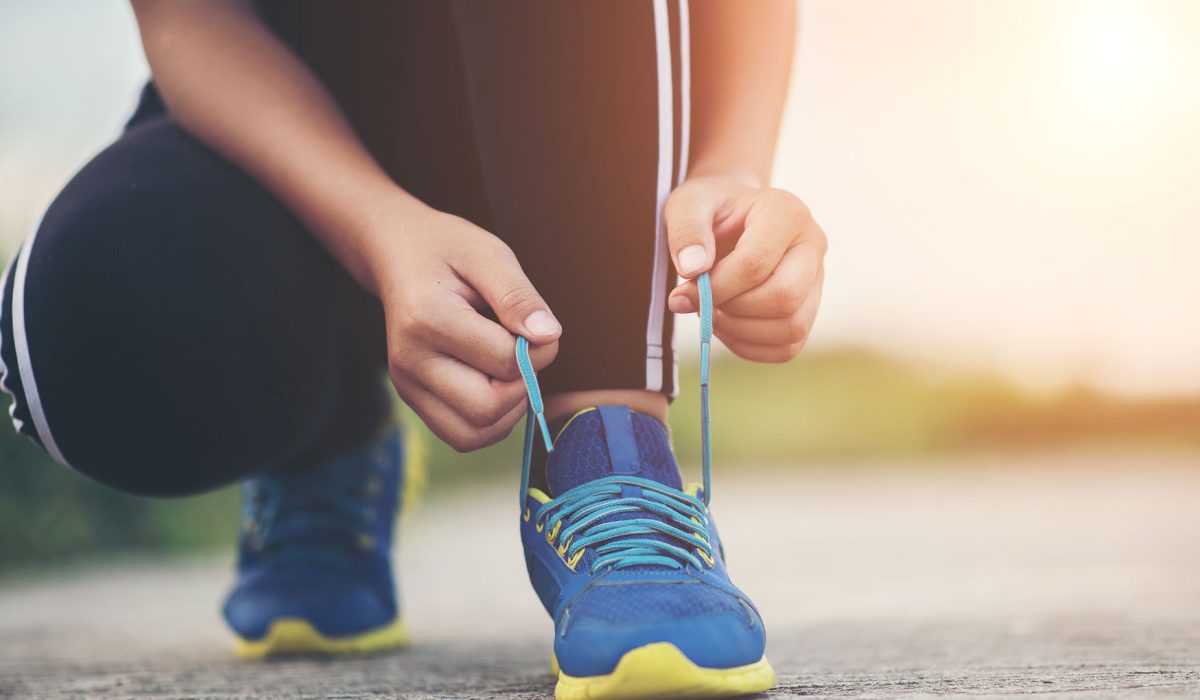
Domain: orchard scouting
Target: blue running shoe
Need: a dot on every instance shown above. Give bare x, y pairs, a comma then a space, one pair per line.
628, 562
314, 571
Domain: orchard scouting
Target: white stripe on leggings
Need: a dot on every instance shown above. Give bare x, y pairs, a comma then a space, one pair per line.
655, 339
21, 342
685, 132
685, 89
658, 277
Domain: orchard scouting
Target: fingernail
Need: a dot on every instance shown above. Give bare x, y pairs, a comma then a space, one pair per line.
691, 259
681, 304
540, 322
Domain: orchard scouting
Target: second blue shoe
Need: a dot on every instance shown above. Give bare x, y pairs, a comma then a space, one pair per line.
314, 560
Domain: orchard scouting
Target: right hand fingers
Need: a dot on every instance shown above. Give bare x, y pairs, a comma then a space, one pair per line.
462, 332
475, 397
494, 272
448, 424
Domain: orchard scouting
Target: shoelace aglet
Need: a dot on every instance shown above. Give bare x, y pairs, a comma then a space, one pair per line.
535, 394
541, 419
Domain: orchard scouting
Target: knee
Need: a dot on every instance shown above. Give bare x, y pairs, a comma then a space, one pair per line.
138, 350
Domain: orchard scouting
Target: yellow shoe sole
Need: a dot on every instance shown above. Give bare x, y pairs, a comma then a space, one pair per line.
661, 670
290, 635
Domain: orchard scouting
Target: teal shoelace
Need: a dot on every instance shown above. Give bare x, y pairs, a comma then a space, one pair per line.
673, 528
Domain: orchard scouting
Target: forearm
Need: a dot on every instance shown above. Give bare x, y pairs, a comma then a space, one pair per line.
741, 62
231, 83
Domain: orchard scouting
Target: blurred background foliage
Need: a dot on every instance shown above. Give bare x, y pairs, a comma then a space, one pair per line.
828, 408
911, 136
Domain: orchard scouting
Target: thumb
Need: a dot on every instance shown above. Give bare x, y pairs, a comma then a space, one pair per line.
499, 279
689, 220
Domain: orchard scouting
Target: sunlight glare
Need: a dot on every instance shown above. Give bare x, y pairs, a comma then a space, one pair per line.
1115, 51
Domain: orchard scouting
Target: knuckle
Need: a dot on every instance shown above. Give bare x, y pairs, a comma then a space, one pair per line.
416, 322
476, 413
398, 362
787, 297
419, 324
493, 247
687, 229
542, 356
755, 267
790, 202
397, 375
518, 297
820, 241
405, 322
462, 440
509, 371
797, 331
779, 355
487, 411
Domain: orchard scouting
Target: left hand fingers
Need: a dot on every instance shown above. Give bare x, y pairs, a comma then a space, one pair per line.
777, 223
756, 352
765, 331
799, 275
791, 330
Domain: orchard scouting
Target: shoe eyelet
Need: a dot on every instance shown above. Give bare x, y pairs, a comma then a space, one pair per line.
372, 488
528, 514
365, 541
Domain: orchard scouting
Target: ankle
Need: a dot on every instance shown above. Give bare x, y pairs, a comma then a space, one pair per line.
651, 403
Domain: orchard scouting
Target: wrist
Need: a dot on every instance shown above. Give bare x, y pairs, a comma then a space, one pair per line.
719, 169
372, 231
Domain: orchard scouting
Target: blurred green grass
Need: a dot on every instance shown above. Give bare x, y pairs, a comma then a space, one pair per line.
828, 407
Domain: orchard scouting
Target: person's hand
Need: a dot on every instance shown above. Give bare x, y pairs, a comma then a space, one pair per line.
452, 365
766, 254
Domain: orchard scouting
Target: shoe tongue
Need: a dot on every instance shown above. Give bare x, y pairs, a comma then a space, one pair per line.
609, 441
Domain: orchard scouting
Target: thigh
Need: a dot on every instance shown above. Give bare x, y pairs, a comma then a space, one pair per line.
579, 113
169, 326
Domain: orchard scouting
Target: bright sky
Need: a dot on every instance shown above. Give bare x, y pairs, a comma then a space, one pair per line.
1007, 184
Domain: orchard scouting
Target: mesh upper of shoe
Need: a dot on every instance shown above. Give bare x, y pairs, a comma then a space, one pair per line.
650, 603
316, 544
581, 453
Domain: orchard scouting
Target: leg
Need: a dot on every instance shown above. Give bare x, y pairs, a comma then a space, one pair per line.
578, 122
170, 328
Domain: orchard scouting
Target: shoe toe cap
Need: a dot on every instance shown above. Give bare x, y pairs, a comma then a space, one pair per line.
712, 627
335, 606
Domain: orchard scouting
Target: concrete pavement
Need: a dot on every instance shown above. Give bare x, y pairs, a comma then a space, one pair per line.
1068, 575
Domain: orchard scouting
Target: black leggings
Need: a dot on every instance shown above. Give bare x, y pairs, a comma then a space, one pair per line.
169, 326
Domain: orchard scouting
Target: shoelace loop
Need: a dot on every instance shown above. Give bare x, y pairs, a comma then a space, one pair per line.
582, 518
678, 537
